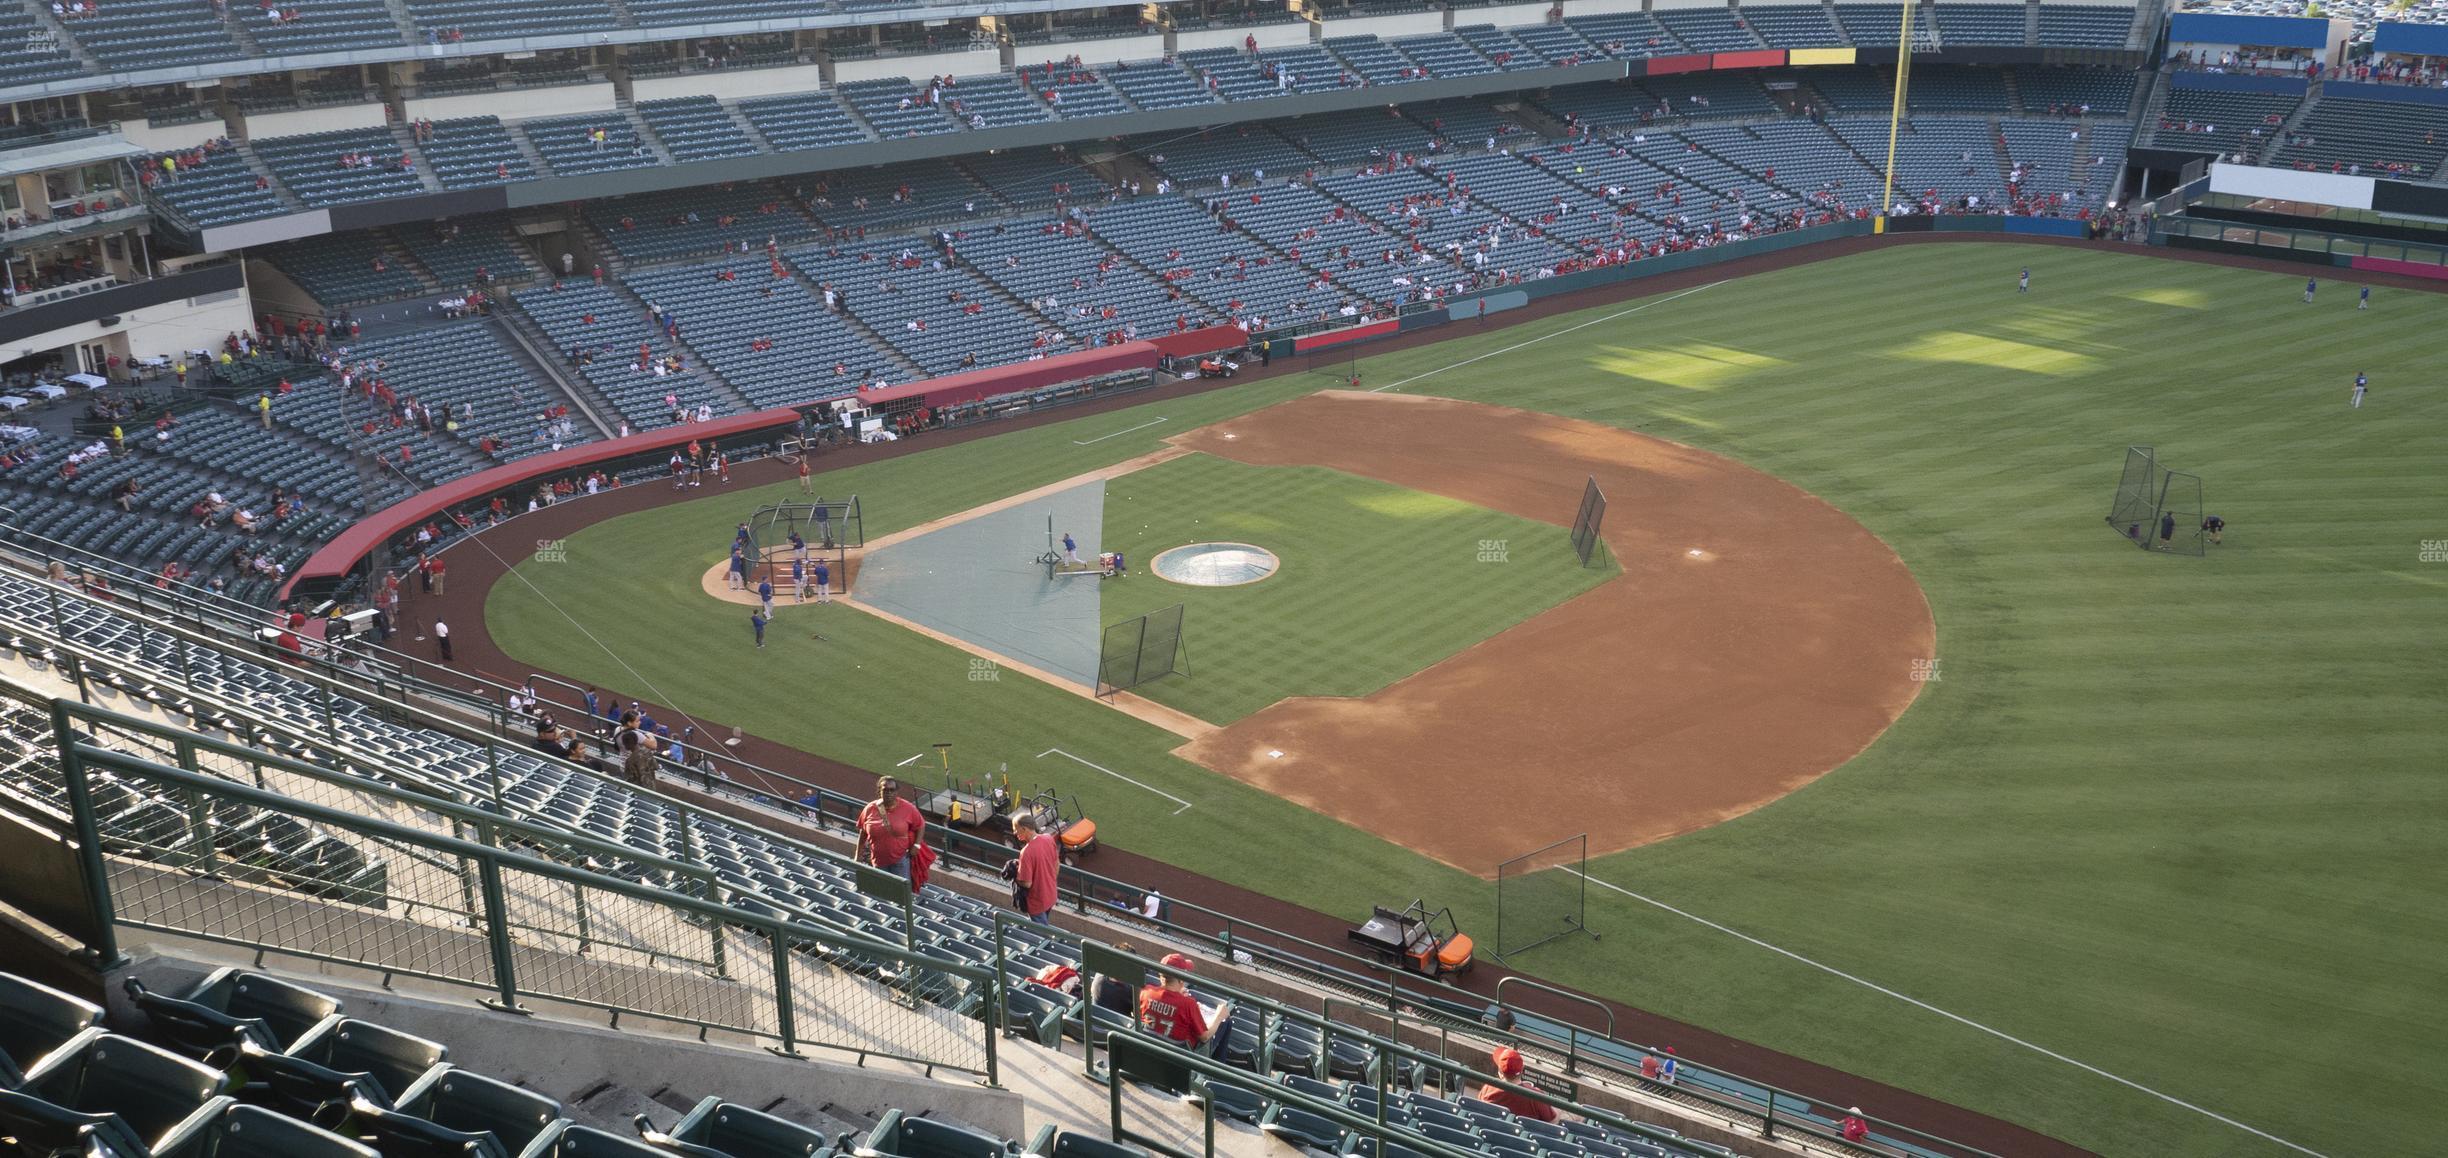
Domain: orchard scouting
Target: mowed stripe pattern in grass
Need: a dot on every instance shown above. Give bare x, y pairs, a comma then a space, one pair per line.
2175, 817
1377, 582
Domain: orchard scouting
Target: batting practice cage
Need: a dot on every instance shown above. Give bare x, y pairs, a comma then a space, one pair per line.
830, 526
2157, 509
1587, 523
1542, 895
1334, 363
1140, 649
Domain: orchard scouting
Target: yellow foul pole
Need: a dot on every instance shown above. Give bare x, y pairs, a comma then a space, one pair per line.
1895, 114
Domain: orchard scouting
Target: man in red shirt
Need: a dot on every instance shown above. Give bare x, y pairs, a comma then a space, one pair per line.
1854, 1127
888, 827
1040, 864
1167, 1010
1509, 1067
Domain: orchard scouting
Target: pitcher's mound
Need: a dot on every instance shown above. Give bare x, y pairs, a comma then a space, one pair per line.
1757, 638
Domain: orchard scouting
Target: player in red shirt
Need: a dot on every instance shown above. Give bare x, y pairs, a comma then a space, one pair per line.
888, 827
1509, 1067
1167, 1010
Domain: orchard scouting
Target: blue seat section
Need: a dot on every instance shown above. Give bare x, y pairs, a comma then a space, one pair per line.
221, 191
1793, 25
688, 222
30, 53
1031, 179
597, 331
141, 34
2084, 26
1709, 29
696, 128
1071, 278
311, 167
897, 108
1959, 90
1875, 25
1073, 93
323, 26
346, 269
1241, 151
1204, 255
567, 144
1443, 227
2109, 93
1626, 35
1965, 25
472, 152
803, 121
896, 198
961, 321
1499, 47
725, 320
986, 103
1357, 137
456, 251
453, 20
1159, 84
2055, 162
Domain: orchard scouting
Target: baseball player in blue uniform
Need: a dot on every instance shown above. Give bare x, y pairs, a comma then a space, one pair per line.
2310, 284
2023, 284
824, 582
2361, 382
2363, 301
1070, 549
799, 579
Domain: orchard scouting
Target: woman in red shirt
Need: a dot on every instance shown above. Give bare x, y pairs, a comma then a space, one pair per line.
888, 828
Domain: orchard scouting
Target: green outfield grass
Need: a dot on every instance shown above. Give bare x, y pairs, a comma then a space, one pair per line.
2177, 819
1377, 581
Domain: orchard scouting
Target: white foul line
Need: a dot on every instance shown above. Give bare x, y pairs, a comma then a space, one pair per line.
1185, 805
1115, 434
1544, 337
2000, 1034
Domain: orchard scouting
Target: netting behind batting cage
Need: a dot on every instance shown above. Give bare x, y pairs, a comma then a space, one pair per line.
829, 527
2178, 527
1588, 522
1140, 649
821, 521
1334, 363
1542, 895
2137, 493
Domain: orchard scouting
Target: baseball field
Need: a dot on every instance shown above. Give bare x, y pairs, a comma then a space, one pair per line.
2141, 852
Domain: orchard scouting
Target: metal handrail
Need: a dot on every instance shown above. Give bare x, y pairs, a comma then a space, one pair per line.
77, 758
1572, 1040
429, 794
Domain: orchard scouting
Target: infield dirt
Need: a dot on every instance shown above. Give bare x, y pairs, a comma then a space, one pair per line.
1756, 639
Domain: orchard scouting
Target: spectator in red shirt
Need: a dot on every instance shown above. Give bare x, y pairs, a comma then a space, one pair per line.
888, 828
1854, 1127
1040, 865
1167, 1010
1509, 1066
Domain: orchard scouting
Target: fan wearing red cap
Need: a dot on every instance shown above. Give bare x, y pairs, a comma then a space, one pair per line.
1509, 1066
1167, 1010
